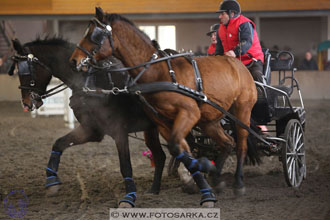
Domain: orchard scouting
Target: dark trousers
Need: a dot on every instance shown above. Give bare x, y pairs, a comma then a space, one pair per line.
256, 69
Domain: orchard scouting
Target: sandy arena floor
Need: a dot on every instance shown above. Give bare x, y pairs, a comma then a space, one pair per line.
92, 182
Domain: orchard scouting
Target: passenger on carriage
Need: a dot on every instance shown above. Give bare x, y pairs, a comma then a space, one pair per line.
213, 34
237, 37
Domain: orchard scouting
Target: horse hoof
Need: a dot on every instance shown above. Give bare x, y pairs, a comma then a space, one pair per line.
52, 190
239, 191
125, 205
173, 166
208, 204
152, 192
190, 187
220, 187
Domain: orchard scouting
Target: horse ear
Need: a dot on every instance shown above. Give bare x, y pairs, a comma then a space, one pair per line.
18, 46
99, 14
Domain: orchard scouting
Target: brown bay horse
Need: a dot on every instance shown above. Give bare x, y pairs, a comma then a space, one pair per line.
226, 81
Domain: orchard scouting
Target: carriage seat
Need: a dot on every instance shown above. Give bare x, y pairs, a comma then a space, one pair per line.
283, 61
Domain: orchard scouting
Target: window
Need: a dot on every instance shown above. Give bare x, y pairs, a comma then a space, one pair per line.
164, 34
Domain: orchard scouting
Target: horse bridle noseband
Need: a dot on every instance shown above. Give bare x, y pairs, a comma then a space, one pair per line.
26, 68
98, 37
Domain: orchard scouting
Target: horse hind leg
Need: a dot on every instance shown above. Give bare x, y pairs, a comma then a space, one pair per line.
79, 135
225, 143
242, 110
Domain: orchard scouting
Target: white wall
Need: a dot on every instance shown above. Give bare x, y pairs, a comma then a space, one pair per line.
313, 84
28, 30
9, 88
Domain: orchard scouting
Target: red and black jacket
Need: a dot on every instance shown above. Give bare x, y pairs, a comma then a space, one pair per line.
229, 37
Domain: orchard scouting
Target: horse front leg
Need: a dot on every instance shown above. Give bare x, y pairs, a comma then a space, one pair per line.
152, 141
79, 135
183, 123
126, 170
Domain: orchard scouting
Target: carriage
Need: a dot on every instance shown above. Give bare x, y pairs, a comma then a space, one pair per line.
285, 123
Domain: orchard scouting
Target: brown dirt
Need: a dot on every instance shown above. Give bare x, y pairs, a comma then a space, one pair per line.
92, 170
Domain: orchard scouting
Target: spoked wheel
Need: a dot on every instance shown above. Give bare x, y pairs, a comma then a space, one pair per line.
293, 154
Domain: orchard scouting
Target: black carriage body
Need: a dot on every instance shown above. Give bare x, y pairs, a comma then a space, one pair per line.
273, 102
274, 109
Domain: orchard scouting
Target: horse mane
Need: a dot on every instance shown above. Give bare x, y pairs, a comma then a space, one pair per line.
49, 41
117, 17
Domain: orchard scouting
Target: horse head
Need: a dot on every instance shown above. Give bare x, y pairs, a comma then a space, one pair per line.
111, 35
96, 44
29, 68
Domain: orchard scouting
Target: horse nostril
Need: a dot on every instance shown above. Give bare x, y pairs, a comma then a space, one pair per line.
73, 64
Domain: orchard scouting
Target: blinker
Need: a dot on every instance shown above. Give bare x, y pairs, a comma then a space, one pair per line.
23, 68
98, 36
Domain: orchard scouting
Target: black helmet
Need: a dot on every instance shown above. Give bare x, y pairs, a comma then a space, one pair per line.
230, 5
213, 28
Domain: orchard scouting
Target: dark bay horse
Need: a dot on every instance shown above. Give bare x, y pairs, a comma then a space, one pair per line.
226, 81
115, 116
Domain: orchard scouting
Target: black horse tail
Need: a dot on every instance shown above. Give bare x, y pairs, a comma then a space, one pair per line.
253, 156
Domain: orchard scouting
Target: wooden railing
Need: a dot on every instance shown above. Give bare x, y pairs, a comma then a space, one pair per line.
19, 7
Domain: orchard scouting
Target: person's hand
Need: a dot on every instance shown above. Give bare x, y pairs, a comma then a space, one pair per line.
230, 53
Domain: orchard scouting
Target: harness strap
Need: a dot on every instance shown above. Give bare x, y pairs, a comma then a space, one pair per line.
31, 88
199, 82
48, 94
89, 55
151, 62
170, 68
169, 86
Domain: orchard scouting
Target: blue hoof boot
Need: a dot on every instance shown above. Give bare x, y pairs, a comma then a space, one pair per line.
53, 180
129, 198
208, 197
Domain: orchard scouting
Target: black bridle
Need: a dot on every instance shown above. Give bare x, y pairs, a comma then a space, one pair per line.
26, 68
98, 36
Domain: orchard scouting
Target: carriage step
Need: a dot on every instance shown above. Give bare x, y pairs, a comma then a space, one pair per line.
274, 147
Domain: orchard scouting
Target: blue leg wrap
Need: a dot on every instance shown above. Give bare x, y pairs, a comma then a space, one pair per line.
130, 191
208, 196
51, 170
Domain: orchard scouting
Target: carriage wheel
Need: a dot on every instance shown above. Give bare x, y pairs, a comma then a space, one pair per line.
293, 154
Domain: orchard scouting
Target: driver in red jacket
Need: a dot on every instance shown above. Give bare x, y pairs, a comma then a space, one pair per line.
237, 37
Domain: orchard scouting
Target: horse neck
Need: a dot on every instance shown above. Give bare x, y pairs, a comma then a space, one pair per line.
130, 54
57, 59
